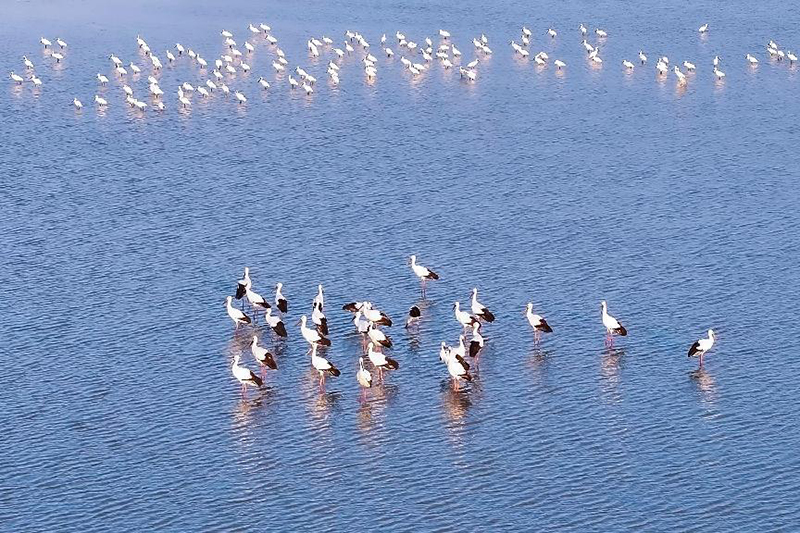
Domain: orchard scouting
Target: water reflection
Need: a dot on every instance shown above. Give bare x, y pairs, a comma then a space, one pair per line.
539, 362
706, 385
610, 365
373, 404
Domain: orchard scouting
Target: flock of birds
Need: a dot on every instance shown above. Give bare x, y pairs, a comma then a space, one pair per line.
368, 322
234, 64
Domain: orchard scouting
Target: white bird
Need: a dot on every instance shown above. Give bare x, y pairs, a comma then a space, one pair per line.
552, 33
703, 28
422, 272
601, 33
750, 59
476, 343
583, 29
262, 355
468, 73
58, 57
480, 310
308, 88
474, 63
612, 325
170, 56
526, 32
236, 315
791, 57
114, 59
77, 103
185, 101
275, 323
256, 300
378, 337
627, 64
36, 81
537, 322
456, 51
716, 61
239, 96
61, 43
464, 318
444, 34
588, 47
293, 82
244, 375
45, 42
211, 85
134, 68
700, 347
264, 83
380, 361
322, 365
718, 73
16, 77
642, 57
264, 27
226, 33
100, 101
312, 336
558, 63
680, 75
457, 366
121, 71
319, 319
689, 66
28, 62
363, 376
244, 284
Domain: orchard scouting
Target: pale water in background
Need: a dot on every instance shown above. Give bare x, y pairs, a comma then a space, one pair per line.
122, 233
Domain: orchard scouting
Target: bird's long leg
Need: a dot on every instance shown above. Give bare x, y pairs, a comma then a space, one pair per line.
701, 361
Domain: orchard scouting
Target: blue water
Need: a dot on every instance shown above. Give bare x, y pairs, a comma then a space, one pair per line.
122, 232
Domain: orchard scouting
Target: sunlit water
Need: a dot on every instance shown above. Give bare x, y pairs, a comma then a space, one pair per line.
122, 233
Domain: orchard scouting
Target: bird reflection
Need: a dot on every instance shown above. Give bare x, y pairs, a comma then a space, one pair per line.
610, 365
372, 406
538, 361
246, 409
706, 385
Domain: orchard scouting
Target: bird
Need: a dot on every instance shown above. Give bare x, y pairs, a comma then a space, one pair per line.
319, 299
612, 325
319, 319
642, 57
380, 361
275, 323
28, 62
627, 64
61, 43
77, 103
583, 29
16, 77
716, 61
680, 75
363, 376
239, 96
236, 315
102, 79
36, 81
477, 342
703, 28
750, 59
322, 365
312, 336
537, 322
375, 315
700, 347
444, 34
718, 73
264, 83
243, 284
244, 375
600, 33
422, 272
100, 101
280, 301
552, 33
255, 300
689, 66
457, 366
45, 42
558, 63
263, 356
480, 310
791, 57
413, 316
465, 319
378, 337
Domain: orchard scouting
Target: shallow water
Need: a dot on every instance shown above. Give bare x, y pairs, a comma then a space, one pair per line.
122, 234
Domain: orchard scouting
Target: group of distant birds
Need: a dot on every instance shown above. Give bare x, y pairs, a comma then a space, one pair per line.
415, 57
368, 320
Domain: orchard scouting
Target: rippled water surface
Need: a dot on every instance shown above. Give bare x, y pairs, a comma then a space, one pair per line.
123, 232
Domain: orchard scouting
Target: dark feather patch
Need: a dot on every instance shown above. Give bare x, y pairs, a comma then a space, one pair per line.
462, 361
352, 307
324, 342
255, 379
269, 362
283, 305
544, 326
280, 329
621, 331
385, 321
432, 275
333, 370
414, 312
487, 315
695, 349
474, 348
240, 290
245, 319
467, 377
322, 327
392, 364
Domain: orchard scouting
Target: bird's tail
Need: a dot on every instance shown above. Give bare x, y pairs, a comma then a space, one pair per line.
622, 332
334, 371
324, 342
240, 290
392, 364
488, 316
